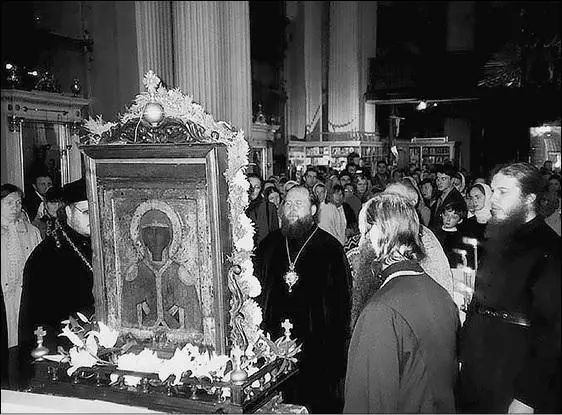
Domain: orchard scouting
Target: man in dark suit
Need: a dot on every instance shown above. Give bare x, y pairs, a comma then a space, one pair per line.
36, 195
447, 193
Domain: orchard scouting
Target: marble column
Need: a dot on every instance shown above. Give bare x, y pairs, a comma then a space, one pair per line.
344, 67
237, 96
295, 72
313, 66
212, 57
154, 40
368, 49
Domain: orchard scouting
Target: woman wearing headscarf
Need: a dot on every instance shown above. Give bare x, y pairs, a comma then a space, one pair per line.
459, 182
481, 198
19, 239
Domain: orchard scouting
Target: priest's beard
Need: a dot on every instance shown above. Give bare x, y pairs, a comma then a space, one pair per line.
366, 281
502, 230
297, 230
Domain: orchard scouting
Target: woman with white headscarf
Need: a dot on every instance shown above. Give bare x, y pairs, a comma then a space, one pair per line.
19, 239
481, 198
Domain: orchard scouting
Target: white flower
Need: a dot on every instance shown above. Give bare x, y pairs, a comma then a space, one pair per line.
98, 126
252, 313
249, 284
217, 364
66, 332
241, 181
246, 243
176, 366
146, 361
106, 336
91, 344
80, 358
82, 317
204, 366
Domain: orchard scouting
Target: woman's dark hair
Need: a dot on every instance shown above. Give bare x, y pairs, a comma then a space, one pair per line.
8, 188
456, 207
431, 182
337, 188
270, 190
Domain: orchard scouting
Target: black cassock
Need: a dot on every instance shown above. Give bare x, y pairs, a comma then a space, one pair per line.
56, 283
503, 361
319, 309
402, 357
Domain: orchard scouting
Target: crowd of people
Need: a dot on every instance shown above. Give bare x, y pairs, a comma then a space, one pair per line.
46, 269
361, 263
450, 202
363, 266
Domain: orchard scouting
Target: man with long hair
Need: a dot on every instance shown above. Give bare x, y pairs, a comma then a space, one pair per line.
510, 343
306, 279
402, 356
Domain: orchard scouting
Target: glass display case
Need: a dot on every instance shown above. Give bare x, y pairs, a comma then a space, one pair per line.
433, 151
332, 154
39, 133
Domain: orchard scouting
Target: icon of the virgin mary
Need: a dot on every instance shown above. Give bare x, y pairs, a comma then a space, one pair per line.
158, 290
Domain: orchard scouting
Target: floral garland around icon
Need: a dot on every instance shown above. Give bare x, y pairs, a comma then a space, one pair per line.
181, 107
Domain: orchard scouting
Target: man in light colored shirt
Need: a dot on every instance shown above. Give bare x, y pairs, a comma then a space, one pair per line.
332, 216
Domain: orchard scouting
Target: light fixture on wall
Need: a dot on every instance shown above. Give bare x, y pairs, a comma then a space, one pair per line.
13, 75
421, 106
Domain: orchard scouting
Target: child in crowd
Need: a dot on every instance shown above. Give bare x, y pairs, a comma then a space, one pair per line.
449, 235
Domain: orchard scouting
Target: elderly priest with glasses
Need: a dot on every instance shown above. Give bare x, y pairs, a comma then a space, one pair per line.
58, 277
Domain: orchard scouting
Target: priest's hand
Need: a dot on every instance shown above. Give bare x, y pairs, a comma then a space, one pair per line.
518, 407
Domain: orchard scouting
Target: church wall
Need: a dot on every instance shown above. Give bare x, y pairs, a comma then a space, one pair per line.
460, 25
459, 130
114, 66
68, 60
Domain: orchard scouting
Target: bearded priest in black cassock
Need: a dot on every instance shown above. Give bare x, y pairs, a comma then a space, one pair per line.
57, 278
306, 279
